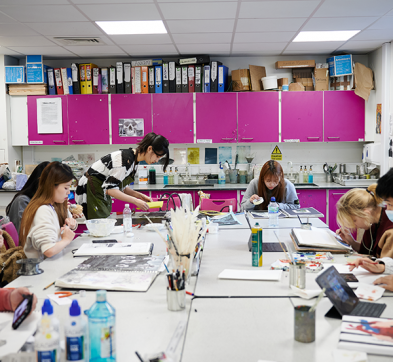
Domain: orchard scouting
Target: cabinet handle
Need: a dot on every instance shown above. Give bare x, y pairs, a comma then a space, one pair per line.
139, 139
227, 139
315, 138
58, 141
78, 140
334, 137
249, 138
338, 193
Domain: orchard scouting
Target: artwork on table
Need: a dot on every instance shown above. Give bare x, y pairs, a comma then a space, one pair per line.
131, 127
243, 152
87, 158
180, 156
225, 154
193, 156
378, 128
210, 156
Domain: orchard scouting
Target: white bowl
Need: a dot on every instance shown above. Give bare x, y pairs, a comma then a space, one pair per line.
100, 227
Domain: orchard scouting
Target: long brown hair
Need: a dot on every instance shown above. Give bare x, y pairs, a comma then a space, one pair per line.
271, 170
53, 175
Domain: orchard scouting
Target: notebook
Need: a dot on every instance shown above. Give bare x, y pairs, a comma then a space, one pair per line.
303, 212
274, 275
90, 249
263, 214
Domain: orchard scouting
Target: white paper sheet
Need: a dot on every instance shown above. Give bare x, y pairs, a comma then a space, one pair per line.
60, 301
90, 249
49, 115
306, 293
343, 355
369, 292
251, 274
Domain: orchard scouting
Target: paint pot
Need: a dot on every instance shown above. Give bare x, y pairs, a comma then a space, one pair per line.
176, 299
269, 82
29, 266
297, 275
304, 324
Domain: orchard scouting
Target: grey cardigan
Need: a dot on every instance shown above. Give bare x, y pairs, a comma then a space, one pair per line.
287, 203
16, 210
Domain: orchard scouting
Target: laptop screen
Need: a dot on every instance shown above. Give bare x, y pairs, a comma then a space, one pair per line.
337, 290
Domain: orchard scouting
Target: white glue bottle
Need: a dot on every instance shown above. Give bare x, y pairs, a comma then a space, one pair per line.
48, 309
47, 343
75, 331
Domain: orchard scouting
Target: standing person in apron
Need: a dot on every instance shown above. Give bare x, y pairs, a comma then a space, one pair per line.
109, 177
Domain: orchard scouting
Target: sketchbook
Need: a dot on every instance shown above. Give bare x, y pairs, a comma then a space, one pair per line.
263, 214
302, 212
91, 249
370, 335
274, 275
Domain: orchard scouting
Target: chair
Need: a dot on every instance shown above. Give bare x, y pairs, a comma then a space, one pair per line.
11, 229
169, 201
218, 204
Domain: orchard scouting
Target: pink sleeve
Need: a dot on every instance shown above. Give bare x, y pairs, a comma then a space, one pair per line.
5, 302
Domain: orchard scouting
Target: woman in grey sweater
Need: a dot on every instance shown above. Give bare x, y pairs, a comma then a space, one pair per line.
271, 182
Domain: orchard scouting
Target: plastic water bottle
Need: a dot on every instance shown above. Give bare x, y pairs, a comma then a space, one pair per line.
127, 220
48, 309
273, 213
101, 323
75, 332
47, 342
221, 176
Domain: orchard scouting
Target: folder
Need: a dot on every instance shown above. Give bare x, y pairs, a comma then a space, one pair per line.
104, 80
178, 79
75, 78
119, 78
82, 72
206, 76
158, 82
152, 86
222, 78
112, 80
64, 80
69, 81
51, 81
198, 78
184, 79
146, 63
59, 83
132, 80
138, 80
172, 77
97, 85
145, 79
89, 77
165, 77
191, 78
214, 76
127, 78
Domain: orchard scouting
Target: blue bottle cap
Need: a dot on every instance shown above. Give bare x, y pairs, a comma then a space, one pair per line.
273, 199
47, 307
75, 309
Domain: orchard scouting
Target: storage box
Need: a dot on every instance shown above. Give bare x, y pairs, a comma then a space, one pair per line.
302, 73
36, 73
28, 89
256, 74
341, 83
241, 80
321, 79
282, 84
295, 64
15, 74
340, 65
296, 87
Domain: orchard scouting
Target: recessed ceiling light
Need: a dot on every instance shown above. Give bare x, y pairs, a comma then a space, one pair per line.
132, 27
325, 35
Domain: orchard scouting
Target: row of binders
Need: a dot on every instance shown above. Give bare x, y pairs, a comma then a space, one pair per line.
159, 77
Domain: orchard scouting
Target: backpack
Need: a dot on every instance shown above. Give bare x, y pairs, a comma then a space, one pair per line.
8, 259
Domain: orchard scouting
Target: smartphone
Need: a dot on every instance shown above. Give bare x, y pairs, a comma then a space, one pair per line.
104, 241
349, 278
22, 310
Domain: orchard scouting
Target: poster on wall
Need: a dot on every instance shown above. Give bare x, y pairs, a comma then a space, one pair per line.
131, 127
378, 128
49, 115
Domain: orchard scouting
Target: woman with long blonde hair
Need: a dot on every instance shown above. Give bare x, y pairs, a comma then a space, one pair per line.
47, 225
362, 209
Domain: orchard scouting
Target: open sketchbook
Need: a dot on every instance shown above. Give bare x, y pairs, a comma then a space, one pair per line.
371, 335
302, 212
90, 249
263, 214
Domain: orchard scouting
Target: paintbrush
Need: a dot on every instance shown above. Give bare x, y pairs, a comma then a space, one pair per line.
317, 301
286, 255
157, 231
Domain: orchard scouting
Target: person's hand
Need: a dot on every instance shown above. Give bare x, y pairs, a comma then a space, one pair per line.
141, 204
369, 265
70, 222
1, 238
67, 233
78, 216
146, 198
345, 236
17, 296
387, 282
254, 197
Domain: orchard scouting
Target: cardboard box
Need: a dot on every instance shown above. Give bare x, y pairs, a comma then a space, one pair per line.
15, 74
321, 79
344, 82
282, 81
296, 87
256, 74
340, 65
295, 64
309, 88
302, 73
241, 80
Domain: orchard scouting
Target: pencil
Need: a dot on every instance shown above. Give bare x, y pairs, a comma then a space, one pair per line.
49, 285
138, 355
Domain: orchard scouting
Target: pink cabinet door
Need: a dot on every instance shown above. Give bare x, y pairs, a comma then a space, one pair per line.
216, 117
125, 106
344, 118
334, 196
302, 116
52, 139
313, 198
219, 195
88, 116
258, 116
173, 117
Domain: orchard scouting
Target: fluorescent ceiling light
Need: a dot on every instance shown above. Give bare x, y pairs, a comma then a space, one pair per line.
132, 27
325, 35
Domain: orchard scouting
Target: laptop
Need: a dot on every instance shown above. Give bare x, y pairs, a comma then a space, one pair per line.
345, 301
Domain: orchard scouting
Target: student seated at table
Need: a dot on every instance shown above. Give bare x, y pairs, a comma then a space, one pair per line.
271, 182
18, 204
47, 225
360, 209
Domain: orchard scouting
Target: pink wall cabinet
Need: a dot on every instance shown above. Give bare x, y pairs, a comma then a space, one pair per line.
302, 116
52, 139
334, 196
125, 106
344, 116
173, 117
258, 116
88, 119
313, 198
216, 118
118, 206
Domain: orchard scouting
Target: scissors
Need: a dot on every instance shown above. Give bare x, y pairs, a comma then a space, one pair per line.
66, 294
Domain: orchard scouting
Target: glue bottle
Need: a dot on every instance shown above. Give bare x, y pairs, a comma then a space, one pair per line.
47, 342
75, 332
48, 309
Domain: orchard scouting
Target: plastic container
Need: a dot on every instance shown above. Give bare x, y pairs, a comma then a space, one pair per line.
127, 220
100, 227
165, 178
170, 177
273, 213
75, 331
310, 176
269, 82
47, 309
152, 175
47, 342
102, 327
221, 176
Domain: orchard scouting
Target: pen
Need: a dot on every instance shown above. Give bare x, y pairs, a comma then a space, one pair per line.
166, 268
189, 293
139, 356
49, 285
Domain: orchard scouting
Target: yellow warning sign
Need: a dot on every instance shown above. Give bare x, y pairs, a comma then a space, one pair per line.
276, 154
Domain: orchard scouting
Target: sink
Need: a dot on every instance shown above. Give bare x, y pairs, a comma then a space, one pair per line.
188, 185
306, 184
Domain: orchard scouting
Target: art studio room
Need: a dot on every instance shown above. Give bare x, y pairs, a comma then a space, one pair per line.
248, 216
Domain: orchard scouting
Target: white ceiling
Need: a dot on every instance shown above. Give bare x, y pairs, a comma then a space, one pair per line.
215, 27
